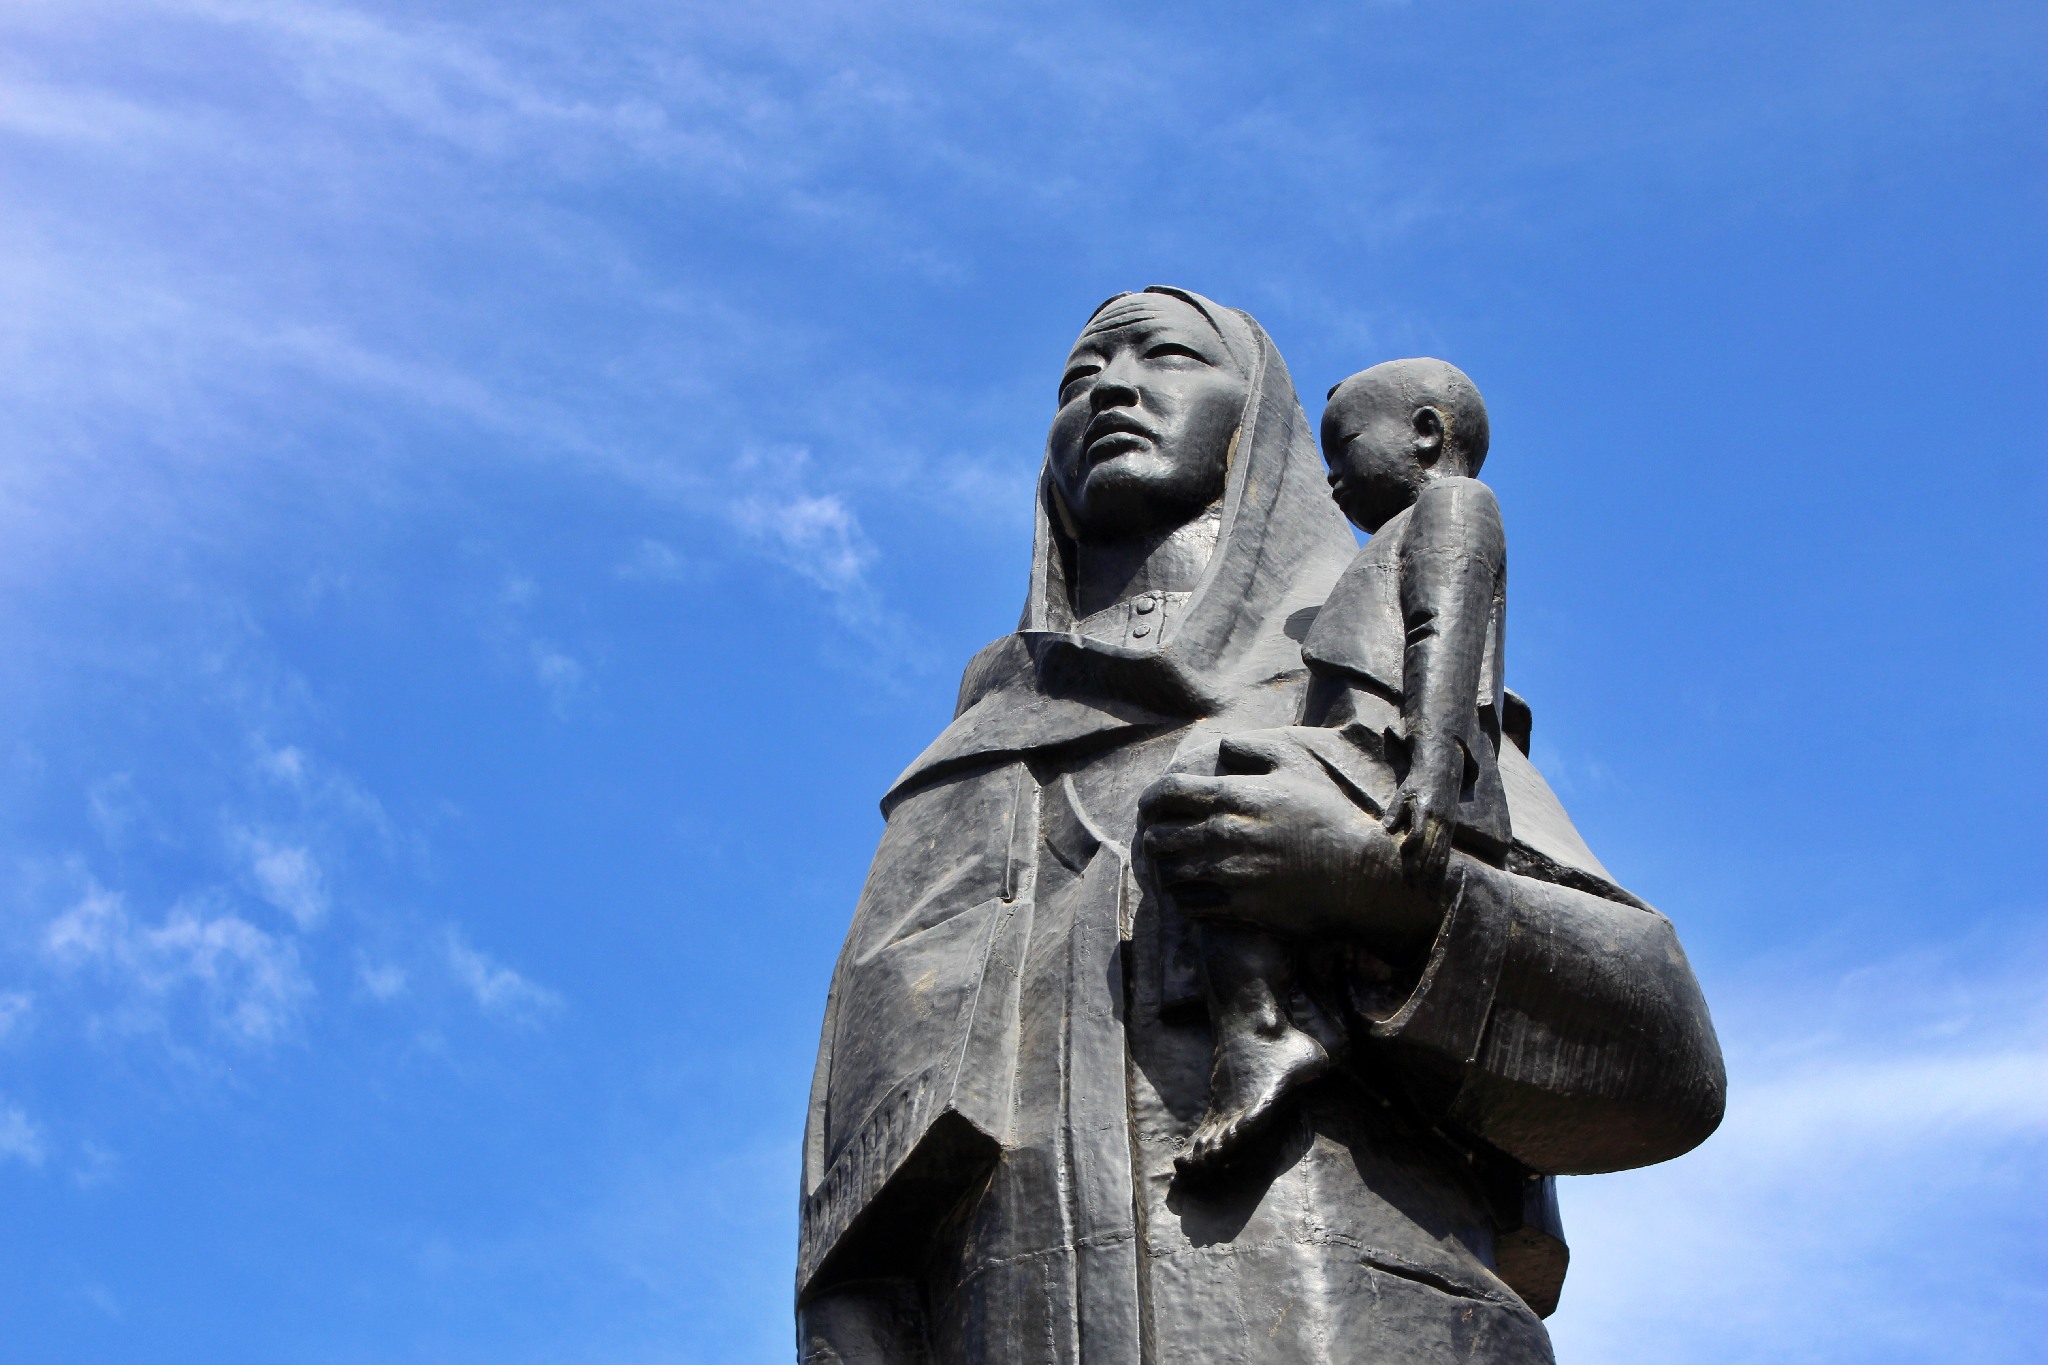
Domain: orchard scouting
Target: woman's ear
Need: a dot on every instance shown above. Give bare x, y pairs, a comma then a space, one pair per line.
1429, 435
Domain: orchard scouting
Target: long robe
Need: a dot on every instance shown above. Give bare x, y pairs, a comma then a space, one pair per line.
1014, 1051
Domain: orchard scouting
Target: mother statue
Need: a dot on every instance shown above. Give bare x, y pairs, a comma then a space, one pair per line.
1015, 1048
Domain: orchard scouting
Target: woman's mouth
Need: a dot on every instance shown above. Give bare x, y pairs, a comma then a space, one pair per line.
1114, 433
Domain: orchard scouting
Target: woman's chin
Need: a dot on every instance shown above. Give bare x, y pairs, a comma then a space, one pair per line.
1142, 490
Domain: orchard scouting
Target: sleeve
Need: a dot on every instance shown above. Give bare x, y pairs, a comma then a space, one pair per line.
1453, 558
1563, 1029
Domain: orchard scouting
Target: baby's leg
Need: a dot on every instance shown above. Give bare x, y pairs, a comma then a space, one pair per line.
1259, 1054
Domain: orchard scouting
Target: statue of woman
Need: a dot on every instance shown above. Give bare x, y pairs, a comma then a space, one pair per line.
1015, 1048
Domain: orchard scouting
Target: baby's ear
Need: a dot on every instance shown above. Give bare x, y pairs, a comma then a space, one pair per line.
1432, 440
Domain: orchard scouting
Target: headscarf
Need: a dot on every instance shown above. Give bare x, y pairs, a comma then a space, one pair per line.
1281, 544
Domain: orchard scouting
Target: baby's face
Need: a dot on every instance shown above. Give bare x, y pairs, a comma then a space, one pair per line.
1369, 444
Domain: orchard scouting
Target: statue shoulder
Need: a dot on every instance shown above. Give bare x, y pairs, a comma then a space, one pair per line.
1462, 510
991, 665
1460, 488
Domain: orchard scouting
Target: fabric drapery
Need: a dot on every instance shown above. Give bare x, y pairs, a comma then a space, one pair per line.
1012, 1055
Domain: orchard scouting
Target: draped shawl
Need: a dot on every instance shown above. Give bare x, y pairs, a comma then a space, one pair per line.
921, 985
1009, 1057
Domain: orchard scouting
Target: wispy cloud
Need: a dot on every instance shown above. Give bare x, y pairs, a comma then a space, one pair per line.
437, 78
498, 990
101, 1300
94, 1164
656, 561
20, 1139
381, 981
199, 343
14, 1009
1870, 1196
288, 876
114, 807
512, 624
819, 537
249, 984
321, 802
558, 672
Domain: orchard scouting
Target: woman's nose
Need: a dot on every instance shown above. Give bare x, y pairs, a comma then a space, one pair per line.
1115, 387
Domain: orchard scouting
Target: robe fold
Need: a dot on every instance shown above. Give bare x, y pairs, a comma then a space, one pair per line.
1012, 1055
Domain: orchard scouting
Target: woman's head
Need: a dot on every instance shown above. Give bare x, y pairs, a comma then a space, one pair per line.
1149, 404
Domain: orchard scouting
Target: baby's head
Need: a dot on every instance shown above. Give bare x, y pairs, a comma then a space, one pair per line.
1391, 429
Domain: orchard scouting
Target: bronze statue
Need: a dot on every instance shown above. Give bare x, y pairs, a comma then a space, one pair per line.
1233, 773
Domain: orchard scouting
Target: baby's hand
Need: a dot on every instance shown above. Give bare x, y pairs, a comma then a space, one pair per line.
1424, 810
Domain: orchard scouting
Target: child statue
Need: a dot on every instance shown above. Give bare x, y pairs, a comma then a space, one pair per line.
1406, 663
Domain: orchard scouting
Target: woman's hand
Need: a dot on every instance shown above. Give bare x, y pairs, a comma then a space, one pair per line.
1272, 840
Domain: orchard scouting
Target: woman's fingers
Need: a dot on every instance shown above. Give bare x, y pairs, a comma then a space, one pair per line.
1192, 796
1224, 871
1167, 838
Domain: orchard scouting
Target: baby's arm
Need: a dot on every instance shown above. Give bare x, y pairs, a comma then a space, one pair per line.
1452, 560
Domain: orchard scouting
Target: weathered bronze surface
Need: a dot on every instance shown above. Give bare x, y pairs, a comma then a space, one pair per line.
1228, 985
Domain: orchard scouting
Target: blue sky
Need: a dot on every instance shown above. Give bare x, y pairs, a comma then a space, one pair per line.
491, 494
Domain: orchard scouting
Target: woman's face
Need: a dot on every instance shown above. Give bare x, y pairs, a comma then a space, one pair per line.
1148, 404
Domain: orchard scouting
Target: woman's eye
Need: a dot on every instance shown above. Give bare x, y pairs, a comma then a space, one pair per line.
1167, 348
1074, 377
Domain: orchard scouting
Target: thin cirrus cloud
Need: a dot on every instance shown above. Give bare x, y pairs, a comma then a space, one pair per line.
246, 984
205, 984
234, 963
295, 288
381, 980
20, 1139
819, 537
288, 876
1871, 1194
179, 337
497, 989
340, 102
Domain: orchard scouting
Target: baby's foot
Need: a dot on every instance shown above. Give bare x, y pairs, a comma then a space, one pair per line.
1254, 1070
